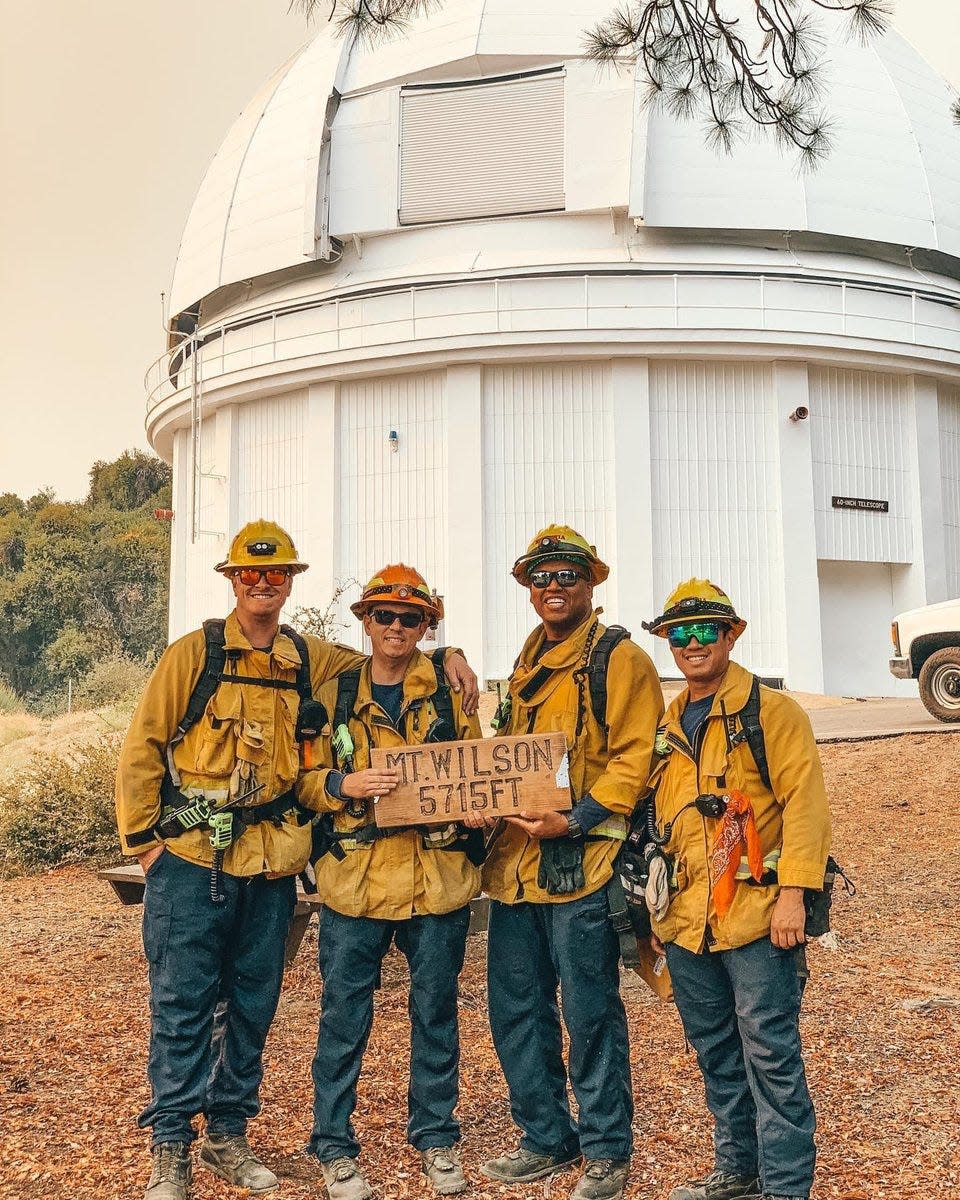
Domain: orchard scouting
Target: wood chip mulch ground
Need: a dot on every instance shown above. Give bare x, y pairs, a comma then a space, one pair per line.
885, 1076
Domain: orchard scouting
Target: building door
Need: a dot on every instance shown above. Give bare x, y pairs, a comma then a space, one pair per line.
856, 609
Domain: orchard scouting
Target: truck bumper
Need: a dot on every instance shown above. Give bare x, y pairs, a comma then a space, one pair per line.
901, 667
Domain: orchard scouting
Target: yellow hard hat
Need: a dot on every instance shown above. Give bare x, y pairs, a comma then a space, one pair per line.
559, 542
694, 600
401, 585
262, 544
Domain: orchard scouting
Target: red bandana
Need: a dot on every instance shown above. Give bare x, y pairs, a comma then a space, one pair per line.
737, 830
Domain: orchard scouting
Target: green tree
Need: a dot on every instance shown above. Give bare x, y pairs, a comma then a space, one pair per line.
80, 582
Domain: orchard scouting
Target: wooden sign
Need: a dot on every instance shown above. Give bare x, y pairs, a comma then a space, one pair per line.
446, 781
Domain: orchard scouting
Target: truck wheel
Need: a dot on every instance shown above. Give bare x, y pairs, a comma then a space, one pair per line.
940, 684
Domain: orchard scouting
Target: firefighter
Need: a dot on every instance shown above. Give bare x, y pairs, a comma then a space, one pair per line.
207, 800
408, 886
547, 876
739, 790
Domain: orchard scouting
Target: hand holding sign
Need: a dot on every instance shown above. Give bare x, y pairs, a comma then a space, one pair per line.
364, 785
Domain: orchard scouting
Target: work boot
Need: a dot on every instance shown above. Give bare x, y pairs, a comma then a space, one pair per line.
719, 1185
345, 1180
441, 1165
230, 1157
171, 1174
602, 1179
520, 1166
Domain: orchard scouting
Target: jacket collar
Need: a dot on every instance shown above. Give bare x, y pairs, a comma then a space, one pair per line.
283, 651
565, 654
419, 682
730, 697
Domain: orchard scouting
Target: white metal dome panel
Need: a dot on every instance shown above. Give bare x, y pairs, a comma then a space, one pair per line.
547, 456
259, 195
893, 175
392, 502
714, 466
859, 440
950, 480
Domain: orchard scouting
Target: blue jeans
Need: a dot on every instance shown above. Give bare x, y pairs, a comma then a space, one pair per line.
532, 949
215, 977
351, 951
740, 1011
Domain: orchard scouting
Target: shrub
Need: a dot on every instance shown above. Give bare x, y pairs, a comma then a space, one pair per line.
59, 810
10, 702
115, 679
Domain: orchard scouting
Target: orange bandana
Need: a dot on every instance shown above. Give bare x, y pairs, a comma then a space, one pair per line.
736, 830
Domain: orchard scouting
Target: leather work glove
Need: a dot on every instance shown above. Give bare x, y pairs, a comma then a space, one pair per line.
561, 866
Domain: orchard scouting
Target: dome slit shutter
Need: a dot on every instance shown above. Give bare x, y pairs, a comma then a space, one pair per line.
483, 151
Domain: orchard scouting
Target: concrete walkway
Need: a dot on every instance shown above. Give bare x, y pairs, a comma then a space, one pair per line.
865, 720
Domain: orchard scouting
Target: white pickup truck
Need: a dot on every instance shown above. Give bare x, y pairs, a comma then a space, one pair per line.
926, 642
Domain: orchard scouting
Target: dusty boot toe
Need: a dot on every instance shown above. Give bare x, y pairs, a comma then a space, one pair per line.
441, 1165
345, 1180
171, 1174
602, 1179
231, 1158
719, 1185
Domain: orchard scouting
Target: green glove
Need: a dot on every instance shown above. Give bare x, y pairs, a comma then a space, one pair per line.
561, 866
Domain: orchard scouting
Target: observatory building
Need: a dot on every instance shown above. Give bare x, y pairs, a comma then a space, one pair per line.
437, 292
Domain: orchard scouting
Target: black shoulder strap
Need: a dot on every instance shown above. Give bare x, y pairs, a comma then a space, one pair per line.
752, 730
304, 685
348, 686
442, 701
209, 681
597, 670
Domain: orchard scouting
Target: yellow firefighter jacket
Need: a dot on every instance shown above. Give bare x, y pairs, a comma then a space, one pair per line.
396, 877
612, 765
245, 725
792, 819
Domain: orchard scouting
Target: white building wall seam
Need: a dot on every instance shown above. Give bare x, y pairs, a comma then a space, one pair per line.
949, 405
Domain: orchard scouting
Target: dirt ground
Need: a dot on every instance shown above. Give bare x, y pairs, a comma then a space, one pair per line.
73, 1029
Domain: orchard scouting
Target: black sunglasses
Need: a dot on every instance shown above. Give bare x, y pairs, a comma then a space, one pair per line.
386, 616
567, 578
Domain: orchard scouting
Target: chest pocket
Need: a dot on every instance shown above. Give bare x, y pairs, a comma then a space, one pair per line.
216, 734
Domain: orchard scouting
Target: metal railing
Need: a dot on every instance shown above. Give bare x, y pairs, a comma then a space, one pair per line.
347, 322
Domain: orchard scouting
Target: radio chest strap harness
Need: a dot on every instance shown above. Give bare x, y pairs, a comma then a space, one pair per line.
327, 840
226, 823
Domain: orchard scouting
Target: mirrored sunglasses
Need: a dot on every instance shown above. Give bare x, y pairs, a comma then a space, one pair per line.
567, 578
386, 616
706, 633
275, 576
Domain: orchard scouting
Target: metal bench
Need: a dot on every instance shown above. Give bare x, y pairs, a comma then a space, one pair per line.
127, 882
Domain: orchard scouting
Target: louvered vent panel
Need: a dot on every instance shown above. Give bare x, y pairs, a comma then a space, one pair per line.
950, 479
482, 151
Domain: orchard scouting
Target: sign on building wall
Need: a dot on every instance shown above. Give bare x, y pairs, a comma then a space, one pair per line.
497, 777
861, 505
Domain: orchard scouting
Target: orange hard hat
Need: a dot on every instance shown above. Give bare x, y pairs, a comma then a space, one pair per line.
399, 584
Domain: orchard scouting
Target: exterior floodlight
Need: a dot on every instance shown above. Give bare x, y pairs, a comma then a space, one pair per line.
394, 439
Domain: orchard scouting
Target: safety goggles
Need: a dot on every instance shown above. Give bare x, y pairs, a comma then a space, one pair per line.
706, 633
386, 616
275, 576
566, 577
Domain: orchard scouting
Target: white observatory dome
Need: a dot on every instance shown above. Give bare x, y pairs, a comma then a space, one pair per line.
893, 176
437, 292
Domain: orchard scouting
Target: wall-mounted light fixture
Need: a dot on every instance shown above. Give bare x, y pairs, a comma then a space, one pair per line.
394, 439
800, 414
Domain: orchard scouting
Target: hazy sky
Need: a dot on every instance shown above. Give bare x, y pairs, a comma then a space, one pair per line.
110, 112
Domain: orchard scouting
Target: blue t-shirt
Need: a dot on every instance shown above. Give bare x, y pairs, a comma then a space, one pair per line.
694, 715
390, 698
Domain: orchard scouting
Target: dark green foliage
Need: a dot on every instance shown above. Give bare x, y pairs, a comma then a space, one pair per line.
59, 809
80, 582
